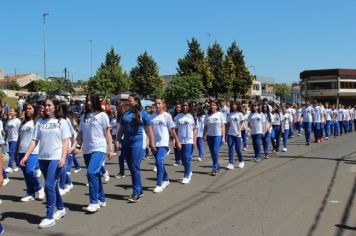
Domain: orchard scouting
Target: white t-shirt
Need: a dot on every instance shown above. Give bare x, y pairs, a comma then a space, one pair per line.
50, 133
235, 119
214, 122
348, 114
12, 128
327, 114
93, 128
245, 127
26, 134
268, 123
341, 114
292, 112
256, 120
335, 114
225, 110
72, 132
308, 114
161, 125
286, 119
317, 112
200, 126
277, 118
299, 114
185, 124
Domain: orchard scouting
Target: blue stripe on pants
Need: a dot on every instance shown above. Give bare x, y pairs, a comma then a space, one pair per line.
51, 173
94, 162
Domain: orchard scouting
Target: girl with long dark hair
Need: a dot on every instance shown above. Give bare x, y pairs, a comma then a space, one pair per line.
267, 137
94, 135
27, 128
257, 124
121, 109
52, 134
134, 123
12, 134
177, 157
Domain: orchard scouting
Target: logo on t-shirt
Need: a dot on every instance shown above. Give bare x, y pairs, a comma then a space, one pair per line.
159, 122
49, 125
90, 120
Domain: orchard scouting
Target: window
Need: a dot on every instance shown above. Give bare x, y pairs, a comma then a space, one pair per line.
322, 86
348, 85
256, 87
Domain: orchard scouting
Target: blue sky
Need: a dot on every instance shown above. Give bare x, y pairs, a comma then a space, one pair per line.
279, 38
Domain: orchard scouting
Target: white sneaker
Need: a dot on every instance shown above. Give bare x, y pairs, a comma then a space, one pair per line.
92, 208
245, 149
59, 214
38, 173
106, 177
199, 159
241, 165
120, 176
155, 169
102, 204
186, 180
41, 194
230, 166
69, 187
62, 191
175, 164
158, 189
45, 223
9, 170
298, 134
69, 173
165, 184
284, 149
76, 171
169, 151
6, 181
27, 198
16, 169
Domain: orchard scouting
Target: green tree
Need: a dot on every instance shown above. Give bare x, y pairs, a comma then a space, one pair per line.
226, 80
110, 78
282, 91
187, 87
243, 78
42, 85
63, 83
13, 86
215, 59
194, 62
145, 77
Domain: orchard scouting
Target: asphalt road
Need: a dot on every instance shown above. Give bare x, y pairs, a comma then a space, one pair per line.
310, 190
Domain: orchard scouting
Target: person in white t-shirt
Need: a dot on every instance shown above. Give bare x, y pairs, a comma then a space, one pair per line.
276, 126
245, 132
162, 124
269, 122
12, 133
354, 116
335, 119
94, 135
292, 113
27, 128
328, 121
308, 119
187, 135
257, 123
298, 123
286, 126
234, 126
200, 131
121, 109
52, 135
214, 131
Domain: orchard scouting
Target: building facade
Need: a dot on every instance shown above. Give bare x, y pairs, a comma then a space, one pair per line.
331, 85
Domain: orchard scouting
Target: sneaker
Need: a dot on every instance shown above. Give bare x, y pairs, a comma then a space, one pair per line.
106, 177
158, 189
27, 198
308, 144
102, 204
267, 157
62, 191
59, 214
257, 159
284, 150
68, 173
92, 208
45, 223
38, 173
155, 169
241, 165
230, 166
69, 187
41, 194
185, 180
16, 169
77, 170
9, 170
120, 176
298, 134
6, 181
292, 136
175, 164
214, 173
245, 149
327, 138
134, 198
200, 159
165, 184
87, 184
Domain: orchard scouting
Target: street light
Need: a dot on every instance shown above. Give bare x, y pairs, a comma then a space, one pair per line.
91, 58
209, 34
44, 45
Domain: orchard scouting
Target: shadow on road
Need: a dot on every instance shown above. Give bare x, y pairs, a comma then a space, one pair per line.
10, 198
30, 218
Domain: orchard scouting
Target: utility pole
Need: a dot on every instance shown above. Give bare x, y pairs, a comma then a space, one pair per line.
209, 35
91, 58
44, 45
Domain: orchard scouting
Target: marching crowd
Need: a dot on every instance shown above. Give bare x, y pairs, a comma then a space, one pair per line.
43, 139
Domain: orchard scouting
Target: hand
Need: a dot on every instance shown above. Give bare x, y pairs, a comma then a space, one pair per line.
223, 141
194, 145
23, 161
62, 162
204, 138
153, 150
179, 146
111, 155
263, 134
